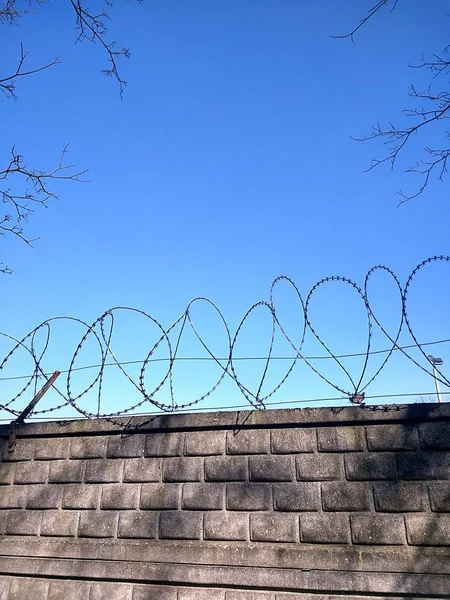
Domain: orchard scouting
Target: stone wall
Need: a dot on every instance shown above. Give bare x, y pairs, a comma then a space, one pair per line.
307, 504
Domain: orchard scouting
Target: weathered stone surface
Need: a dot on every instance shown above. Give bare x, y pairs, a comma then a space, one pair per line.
52, 448
25, 588
66, 471
23, 450
428, 531
68, 590
366, 467
126, 446
201, 594
418, 465
226, 468
205, 443
297, 497
103, 471
13, 496
181, 525
123, 496
137, 524
98, 524
44, 496
341, 496
435, 436
142, 470
374, 529
324, 528
203, 496
249, 595
88, 447
154, 592
23, 522
319, 467
440, 496
248, 441
111, 591
341, 439
392, 437
291, 441
59, 523
182, 469
248, 496
31, 472
273, 527
225, 525
84, 497
160, 496
164, 444
7, 473
399, 496
271, 468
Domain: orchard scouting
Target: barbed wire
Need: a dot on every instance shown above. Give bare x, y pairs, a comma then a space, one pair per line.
100, 332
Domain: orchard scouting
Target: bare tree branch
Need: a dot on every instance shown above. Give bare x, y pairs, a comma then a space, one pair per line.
430, 108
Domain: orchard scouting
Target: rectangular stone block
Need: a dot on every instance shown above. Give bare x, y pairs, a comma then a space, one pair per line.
201, 594
154, 592
142, 470
435, 436
23, 450
12, 496
52, 448
44, 496
24, 588
400, 496
428, 465
182, 469
248, 441
126, 446
319, 467
341, 439
88, 447
392, 437
66, 471
273, 527
124, 496
164, 444
205, 443
271, 468
138, 525
23, 522
103, 471
377, 529
111, 591
68, 590
59, 523
101, 524
226, 526
296, 497
81, 497
320, 528
341, 496
249, 496
290, 441
428, 531
439, 496
367, 467
180, 525
203, 496
31, 472
160, 496
7, 473
226, 468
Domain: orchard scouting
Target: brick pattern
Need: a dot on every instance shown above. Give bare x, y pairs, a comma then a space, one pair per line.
376, 484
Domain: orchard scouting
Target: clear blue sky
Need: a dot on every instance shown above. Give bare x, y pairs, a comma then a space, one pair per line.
228, 162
